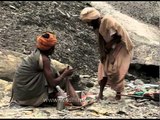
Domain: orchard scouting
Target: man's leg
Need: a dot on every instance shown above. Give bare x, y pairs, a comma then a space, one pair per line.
120, 88
74, 98
102, 84
118, 96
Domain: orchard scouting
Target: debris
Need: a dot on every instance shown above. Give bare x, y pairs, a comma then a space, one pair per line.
12, 7
122, 112
89, 84
68, 15
139, 86
132, 106
84, 76
151, 86
61, 12
100, 110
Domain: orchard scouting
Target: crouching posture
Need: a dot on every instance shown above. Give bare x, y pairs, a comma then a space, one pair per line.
36, 79
115, 49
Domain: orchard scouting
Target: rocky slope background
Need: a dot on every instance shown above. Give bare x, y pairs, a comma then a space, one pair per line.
21, 21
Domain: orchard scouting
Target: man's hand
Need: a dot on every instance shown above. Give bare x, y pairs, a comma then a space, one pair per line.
68, 71
61, 71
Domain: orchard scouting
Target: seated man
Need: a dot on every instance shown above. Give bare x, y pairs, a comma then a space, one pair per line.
36, 79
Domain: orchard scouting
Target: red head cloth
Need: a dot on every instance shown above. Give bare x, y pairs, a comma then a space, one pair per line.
45, 43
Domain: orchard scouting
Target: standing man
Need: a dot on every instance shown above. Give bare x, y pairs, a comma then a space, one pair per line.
115, 48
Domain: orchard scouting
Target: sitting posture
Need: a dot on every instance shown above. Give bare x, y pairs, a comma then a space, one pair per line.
36, 79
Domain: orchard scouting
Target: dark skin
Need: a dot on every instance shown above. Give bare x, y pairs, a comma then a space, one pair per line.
48, 73
96, 24
47, 69
64, 74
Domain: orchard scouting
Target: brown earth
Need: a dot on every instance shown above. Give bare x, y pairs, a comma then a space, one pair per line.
21, 21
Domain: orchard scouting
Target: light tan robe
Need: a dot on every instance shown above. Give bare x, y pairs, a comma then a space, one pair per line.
117, 61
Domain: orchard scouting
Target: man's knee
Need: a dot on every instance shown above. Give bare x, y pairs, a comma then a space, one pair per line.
103, 81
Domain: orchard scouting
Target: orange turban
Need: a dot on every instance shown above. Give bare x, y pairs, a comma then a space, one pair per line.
89, 13
46, 43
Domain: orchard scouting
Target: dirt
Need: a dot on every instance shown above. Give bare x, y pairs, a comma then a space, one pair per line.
146, 11
21, 21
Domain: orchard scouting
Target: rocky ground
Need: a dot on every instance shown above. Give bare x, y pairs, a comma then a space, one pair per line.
108, 108
146, 11
21, 21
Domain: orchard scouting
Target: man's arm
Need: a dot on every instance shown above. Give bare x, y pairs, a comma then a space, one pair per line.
49, 75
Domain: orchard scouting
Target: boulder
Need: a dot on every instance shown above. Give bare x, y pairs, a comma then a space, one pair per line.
9, 61
146, 37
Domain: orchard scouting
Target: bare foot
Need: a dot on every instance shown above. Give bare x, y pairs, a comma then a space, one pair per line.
99, 97
118, 97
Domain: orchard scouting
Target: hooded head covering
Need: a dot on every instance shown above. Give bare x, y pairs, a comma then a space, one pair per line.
46, 41
89, 13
